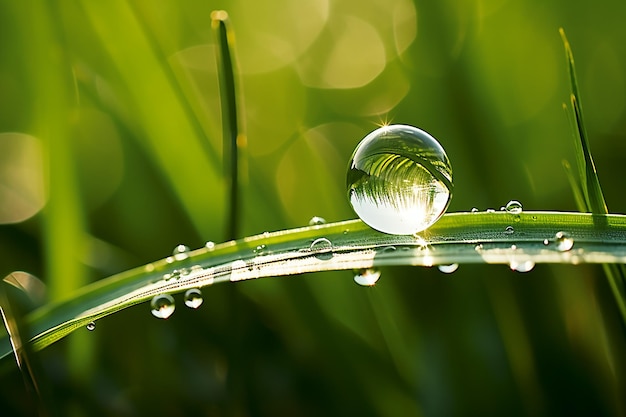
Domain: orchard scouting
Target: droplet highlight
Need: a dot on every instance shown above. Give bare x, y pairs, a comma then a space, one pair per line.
399, 180
210, 245
317, 221
522, 266
509, 230
448, 269
563, 242
474, 210
367, 277
91, 326
513, 207
322, 248
193, 298
181, 252
162, 306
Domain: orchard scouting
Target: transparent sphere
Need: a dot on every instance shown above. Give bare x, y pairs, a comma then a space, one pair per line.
399, 180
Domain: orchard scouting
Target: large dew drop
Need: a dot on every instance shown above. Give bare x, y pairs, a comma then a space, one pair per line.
162, 306
367, 277
399, 180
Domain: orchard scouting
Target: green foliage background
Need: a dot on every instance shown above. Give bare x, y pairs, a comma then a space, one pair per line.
123, 100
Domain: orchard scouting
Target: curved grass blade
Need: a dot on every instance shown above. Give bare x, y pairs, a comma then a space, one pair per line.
590, 183
455, 238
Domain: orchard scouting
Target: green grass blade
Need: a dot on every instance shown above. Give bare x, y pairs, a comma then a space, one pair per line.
233, 135
590, 183
495, 238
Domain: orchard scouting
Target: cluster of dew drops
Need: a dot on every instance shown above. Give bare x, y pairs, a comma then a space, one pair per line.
399, 181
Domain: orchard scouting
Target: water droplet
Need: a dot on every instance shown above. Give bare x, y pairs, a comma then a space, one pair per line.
474, 210
367, 276
522, 266
181, 252
490, 210
193, 298
502, 208
509, 230
514, 207
91, 326
322, 248
388, 249
259, 249
546, 242
399, 180
149, 268
209, 245
162, 306
316, 221
563, 242
478, 247
448, 269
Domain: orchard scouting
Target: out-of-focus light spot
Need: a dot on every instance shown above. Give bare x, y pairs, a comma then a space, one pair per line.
274, 33
21, 177
404, 25
355, 56
32, 286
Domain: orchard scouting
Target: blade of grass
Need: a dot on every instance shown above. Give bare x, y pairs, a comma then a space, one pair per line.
590, 183
455, 238
233, 136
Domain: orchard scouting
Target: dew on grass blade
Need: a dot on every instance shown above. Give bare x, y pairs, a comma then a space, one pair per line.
448, 269
180, 252
522, 266
91, 326
399, 180
474, 210
509, 230
316, 221
162, 306
193, 298
513, 207
322, 248
564, 242
210, 245
366, 277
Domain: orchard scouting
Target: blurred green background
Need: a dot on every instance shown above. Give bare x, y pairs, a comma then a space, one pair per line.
111, 155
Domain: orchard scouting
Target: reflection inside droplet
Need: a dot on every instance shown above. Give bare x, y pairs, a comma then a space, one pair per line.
162, 306
367, 276
399, 180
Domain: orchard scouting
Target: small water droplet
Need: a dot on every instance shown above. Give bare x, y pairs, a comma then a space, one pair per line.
490, 210
448, 269
316, 221
399, 180
259, 249
522, 266
181, 252
91, 326
162, 306
193, 298
514, 207
322, 248
388, 249
502, 208
367, 276
169, 259
210, 245
345, 232
563, 242
546, 242
478, 247
266, 234
149, 268
509, 230
474, 210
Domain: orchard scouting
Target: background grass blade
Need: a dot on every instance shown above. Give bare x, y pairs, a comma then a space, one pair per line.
590, 183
